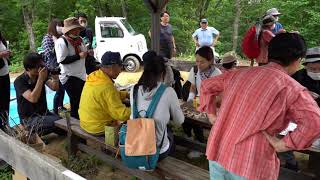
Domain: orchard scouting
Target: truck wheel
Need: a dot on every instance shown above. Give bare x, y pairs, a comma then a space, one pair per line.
132, 64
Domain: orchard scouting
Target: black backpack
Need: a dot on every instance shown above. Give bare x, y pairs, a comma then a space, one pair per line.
177, 86
187, 84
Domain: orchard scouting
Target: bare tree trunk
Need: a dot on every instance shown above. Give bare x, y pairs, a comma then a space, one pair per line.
235, 36
28, 20
99, 8
124, 7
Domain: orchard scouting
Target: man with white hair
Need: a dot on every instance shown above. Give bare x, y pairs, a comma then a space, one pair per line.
275, 13
205, 35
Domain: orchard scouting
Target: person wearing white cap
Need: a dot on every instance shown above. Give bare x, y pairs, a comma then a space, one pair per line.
309, 76
275, 13
205, 35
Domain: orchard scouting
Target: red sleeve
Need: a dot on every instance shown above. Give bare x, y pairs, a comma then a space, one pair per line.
209, 89
306, 114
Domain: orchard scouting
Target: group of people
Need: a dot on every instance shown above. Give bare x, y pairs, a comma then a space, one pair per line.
256, 103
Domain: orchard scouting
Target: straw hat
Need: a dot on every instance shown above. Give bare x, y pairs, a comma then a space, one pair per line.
71, 23
229, 57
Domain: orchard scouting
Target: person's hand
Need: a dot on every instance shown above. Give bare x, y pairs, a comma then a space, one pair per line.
278, 144
5, 54
212, 118
83, 54
314, 95
43, 74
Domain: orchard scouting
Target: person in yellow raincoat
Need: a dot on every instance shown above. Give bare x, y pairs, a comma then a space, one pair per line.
101, 103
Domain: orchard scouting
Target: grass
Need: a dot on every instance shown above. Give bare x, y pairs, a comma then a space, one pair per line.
83, 164
6, 173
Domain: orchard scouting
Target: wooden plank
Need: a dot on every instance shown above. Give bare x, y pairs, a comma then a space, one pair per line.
181, 170
75, 127
117, 163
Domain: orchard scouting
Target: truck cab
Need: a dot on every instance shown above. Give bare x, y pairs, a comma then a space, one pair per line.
117, 35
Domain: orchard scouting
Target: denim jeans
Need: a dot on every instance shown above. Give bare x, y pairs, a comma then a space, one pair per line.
42, 125
217, 172
58, 98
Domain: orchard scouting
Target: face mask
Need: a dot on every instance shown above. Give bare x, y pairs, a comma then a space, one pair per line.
73, 36
59, 29
314, 76
84, 24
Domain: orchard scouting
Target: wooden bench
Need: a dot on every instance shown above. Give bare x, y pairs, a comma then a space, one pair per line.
168, 168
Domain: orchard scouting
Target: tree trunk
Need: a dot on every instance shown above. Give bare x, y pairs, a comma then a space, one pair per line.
235, 36
28, 19
99, 8
124, 7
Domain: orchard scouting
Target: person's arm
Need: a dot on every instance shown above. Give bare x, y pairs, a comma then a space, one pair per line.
34, 95
193, 88
215, 40
62, 54
210, 88
124, 95
195, 39
149, 33
306, 114
118, 110
176, 113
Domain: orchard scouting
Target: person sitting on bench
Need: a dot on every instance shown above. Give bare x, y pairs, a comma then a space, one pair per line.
101, 103
31, 95
168, 106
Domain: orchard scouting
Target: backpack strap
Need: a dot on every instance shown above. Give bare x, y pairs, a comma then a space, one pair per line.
155, 100
134, 101
65, 40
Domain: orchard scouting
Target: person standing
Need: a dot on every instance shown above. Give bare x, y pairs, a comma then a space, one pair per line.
86, 33
268, 24
258, 103
275, 13
50, 59
167, 42
71, 54
4, 82
205, 35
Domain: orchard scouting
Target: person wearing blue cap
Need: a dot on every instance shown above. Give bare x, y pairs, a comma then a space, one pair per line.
205, 35
101, 103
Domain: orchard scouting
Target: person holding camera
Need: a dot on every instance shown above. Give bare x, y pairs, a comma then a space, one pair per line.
31, 95
4, 81
49, 56
71, 54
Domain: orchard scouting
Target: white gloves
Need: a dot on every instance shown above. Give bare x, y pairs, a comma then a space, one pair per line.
191, 97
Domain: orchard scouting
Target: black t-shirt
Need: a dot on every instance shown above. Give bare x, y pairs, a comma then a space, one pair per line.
27, 109
166, 36
87, 33
312, 85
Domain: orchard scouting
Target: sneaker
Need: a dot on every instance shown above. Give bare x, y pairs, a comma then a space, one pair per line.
194, 154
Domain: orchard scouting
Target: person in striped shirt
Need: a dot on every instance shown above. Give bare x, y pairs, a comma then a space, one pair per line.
259, 103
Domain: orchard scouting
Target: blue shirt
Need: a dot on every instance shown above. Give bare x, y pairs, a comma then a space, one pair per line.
277, 28
205, 36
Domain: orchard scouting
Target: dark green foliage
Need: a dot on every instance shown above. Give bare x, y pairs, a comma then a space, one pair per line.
302, 16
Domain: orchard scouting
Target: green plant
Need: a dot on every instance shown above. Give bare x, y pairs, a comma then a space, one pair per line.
6, 173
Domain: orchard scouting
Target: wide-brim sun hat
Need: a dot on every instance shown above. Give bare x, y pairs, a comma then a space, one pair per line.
70, 24
229, 57
273, 12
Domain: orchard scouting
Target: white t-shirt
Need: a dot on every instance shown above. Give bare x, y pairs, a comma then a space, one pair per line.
5, 69
77, 68
198, 80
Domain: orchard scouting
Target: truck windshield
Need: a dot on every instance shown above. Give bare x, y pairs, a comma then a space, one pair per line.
128, 26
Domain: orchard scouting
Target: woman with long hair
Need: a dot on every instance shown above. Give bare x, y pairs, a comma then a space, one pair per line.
168, 106
54, 33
